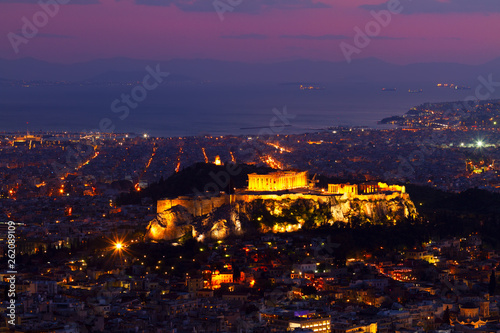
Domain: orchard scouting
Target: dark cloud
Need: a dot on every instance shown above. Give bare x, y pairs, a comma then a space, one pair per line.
245, 36
389, 38
245, 6
322, 37
337, 37
441, 7
70, 2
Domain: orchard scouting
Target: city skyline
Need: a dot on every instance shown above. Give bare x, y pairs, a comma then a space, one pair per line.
250, 166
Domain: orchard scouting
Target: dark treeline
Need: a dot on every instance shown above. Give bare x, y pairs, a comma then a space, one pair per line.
459, 214
197, 178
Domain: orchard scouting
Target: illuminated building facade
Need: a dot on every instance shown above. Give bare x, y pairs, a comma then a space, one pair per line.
277, 181
383, 187
343, 189
221, 277
279, 321
367, 188
343, 327
27, 140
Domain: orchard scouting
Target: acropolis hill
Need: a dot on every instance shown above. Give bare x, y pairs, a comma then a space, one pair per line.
282, 201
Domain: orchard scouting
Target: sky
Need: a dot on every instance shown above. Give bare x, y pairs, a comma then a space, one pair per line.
462, 31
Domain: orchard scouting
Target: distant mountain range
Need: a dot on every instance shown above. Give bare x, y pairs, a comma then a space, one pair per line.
365, 70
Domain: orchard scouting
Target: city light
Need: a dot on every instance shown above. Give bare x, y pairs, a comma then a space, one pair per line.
480, 143
118, 246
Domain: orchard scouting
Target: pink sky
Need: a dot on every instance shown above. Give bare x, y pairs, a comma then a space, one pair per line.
436, 31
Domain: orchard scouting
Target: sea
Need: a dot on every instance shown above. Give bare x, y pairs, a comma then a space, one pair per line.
175, 110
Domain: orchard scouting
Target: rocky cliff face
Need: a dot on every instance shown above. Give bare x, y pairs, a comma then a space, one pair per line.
170, 224
286, 215
177, 222
374, 208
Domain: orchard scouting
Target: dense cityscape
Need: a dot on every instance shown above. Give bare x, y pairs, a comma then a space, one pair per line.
83, 206
249, 166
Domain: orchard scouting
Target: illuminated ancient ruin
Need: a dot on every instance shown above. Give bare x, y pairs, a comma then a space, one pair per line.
367, 188
343, 189
277, 181
278, 190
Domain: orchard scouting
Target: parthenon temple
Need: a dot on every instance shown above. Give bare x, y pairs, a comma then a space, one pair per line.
277, 181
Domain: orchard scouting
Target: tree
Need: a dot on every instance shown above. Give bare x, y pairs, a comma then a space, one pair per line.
309, 290
446, 316
236, 273
493, 283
